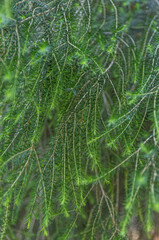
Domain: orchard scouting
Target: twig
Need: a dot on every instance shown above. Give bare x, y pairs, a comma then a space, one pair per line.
20, 2
39, 14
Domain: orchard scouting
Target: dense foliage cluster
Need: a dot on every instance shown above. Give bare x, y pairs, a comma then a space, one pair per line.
79, 118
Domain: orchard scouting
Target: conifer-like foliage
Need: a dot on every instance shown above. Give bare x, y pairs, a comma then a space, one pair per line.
79, 118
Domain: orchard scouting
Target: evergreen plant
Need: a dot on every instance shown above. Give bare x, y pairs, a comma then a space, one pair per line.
79, 118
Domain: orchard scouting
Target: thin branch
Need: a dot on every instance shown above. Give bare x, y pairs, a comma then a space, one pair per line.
38, 15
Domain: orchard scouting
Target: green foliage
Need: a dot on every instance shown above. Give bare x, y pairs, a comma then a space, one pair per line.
79, 118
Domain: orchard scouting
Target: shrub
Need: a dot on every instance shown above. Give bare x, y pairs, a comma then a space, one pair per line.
78, 118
